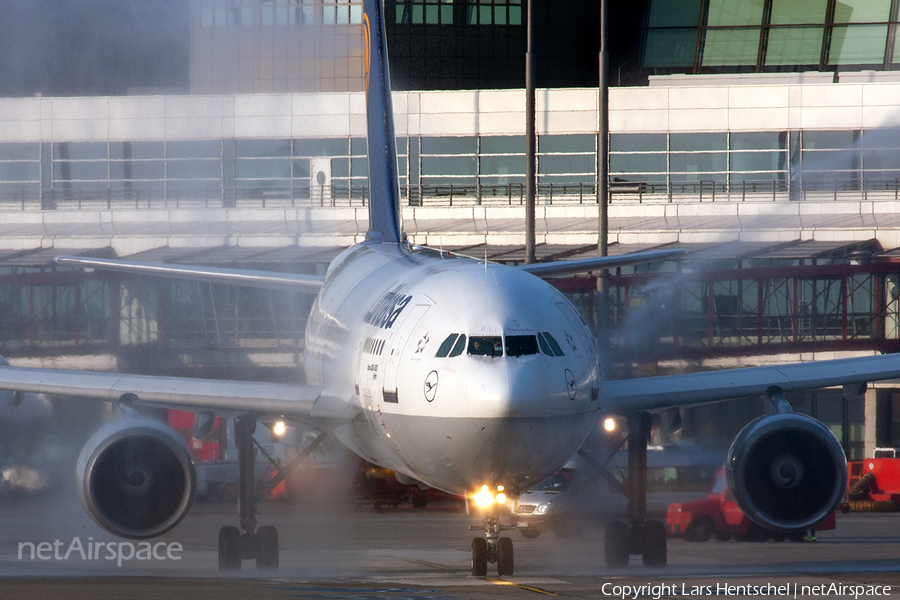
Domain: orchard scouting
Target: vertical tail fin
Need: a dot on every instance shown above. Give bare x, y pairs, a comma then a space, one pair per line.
384, 200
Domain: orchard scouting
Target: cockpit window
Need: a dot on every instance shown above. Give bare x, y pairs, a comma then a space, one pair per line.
459, 347
486, 345
518, 345
444, 350
548, 340
545, 347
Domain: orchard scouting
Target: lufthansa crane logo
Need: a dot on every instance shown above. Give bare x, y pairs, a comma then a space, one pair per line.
570, 384
431, 382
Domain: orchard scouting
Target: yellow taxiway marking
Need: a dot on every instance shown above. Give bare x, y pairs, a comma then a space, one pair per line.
522, 587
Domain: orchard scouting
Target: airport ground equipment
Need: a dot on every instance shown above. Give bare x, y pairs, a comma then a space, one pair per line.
873, 484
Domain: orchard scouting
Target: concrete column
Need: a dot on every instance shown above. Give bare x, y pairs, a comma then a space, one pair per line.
46, 176
871, 418
228, 191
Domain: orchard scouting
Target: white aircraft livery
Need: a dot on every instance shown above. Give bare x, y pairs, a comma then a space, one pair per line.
471, 377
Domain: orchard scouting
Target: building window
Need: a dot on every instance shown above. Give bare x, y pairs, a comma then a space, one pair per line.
731, 38
221, 13
20, 168
431, 12
494, 12
341, 12
287, 12
502, 160
769, 35
449, 161
791, 39
567, 159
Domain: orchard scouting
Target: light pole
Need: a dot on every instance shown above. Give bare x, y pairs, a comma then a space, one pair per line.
530, 140
603, 192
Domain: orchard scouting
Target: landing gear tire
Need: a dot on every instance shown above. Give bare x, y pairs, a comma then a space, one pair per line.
655, 552
267, 548
229, 549
616, 544
700, 530
505, 557
529, 533
479, 557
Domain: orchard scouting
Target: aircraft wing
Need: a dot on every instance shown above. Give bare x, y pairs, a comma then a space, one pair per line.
259, 279
227, 398
670, 391
586, 265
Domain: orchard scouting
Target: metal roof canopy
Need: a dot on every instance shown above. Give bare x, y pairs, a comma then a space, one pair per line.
546, 252
299, 254
244, 256
43, 257
734, 250
168, 254
819, 249
225, 255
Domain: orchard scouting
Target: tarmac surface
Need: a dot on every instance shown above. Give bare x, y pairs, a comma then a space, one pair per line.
335, 550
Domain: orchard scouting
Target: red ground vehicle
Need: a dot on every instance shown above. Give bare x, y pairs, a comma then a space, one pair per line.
873, 484
718, 515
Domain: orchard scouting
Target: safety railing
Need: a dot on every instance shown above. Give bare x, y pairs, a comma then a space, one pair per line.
462, 194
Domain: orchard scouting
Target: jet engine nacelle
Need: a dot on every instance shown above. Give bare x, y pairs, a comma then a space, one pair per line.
136, 478
787, 471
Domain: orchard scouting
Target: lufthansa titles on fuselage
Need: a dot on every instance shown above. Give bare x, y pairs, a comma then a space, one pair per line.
388, 308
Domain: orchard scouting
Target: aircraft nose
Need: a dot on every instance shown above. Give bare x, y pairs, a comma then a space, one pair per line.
506, 389
527, 392
488, 394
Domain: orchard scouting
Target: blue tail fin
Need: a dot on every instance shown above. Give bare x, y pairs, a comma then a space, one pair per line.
384, 200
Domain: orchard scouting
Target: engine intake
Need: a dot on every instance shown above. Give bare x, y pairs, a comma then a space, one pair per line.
136, 478
787, 471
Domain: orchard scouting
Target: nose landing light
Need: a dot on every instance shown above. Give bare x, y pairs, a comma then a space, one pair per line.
484, 498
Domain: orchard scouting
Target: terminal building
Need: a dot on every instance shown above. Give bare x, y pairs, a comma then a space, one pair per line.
759, 136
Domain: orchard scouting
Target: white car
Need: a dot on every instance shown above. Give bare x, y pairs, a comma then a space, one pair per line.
571, 498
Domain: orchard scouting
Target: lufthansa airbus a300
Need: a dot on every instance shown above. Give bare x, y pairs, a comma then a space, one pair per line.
470, 377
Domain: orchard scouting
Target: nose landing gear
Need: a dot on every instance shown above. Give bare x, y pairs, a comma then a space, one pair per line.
492, 548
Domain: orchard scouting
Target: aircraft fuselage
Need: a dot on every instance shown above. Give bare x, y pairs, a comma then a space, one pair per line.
465, 373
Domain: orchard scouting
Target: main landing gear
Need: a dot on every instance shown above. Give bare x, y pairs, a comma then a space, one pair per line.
248, 542
638, 536
492, 548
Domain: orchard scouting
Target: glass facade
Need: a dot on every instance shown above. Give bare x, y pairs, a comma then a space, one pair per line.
708, 36
20, 169
333, 171
274, 46
755, 162
279, 13
433, 12
494, 12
